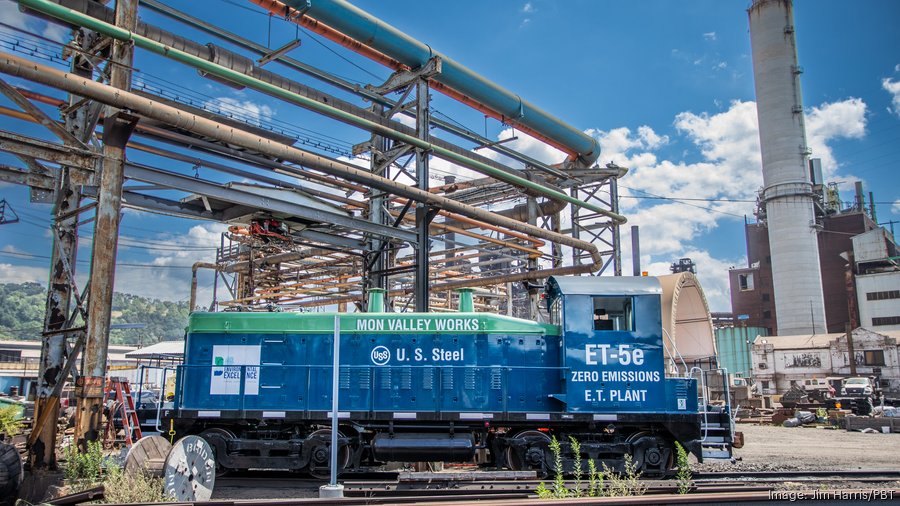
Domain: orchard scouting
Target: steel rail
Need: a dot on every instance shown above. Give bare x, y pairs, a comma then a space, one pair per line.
47, 7
29, 70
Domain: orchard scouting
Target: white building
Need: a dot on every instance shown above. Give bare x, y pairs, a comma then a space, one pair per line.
877, 280
780, 361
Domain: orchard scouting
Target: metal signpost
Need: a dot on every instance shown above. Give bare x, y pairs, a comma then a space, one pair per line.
333, 489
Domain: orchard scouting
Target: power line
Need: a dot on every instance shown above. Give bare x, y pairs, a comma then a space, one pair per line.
682, 201
16, 254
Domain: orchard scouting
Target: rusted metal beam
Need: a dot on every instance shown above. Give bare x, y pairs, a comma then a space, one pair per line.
117, 129
22, 145
10, 174
39, 116
54, 366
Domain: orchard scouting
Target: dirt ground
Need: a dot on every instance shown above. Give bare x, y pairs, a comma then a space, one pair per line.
770, 447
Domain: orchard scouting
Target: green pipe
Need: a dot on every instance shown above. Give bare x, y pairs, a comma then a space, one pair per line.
466, 302
376, 300
78, 18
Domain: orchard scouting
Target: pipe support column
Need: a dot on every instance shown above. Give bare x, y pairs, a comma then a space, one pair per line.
424, 212
116, 131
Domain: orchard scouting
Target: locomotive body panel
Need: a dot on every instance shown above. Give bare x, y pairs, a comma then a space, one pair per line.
389, 363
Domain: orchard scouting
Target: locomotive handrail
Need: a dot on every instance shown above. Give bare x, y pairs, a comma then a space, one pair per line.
158, 425
705, 405
677, 353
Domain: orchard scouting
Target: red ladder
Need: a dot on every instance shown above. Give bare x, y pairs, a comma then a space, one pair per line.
119, 391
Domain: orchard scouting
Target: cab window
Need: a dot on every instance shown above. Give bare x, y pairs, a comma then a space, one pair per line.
556, 311
613, 313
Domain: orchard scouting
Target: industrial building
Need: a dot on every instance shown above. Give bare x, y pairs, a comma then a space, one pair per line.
782, 361
752, 287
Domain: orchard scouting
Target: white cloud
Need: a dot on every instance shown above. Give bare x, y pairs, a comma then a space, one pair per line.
893, 87
529, 8
709, 35
709, 272
245, 110
844, 119
172, 251
729, 171
11, 15
896, 207
10, 273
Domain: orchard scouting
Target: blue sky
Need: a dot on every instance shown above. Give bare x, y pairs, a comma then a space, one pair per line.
666, 87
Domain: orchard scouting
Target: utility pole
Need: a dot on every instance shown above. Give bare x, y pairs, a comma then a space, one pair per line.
850, 350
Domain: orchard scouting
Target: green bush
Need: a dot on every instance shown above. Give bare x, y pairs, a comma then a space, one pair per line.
683, 475
605, 483
560, 491
10, 420
83, 469
121, 487
576, 451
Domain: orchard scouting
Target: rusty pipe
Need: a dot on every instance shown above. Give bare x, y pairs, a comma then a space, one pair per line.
194, 269
26, 69
281, 9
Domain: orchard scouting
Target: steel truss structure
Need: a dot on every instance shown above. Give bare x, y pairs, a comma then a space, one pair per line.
306, 229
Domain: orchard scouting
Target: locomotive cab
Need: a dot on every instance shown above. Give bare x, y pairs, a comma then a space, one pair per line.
622, 367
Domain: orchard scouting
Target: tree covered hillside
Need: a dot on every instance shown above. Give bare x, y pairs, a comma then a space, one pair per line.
22, 315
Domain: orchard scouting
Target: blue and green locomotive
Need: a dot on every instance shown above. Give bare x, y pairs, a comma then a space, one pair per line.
452, 387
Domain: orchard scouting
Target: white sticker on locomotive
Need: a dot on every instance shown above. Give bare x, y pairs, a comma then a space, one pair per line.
226, 370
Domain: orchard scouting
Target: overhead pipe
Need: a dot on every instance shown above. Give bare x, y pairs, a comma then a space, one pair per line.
29, 70
71, 16
478, 224
173, 137
359, 31
223, 65
338, 82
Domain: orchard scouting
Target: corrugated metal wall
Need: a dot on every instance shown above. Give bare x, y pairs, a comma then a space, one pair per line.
733, 348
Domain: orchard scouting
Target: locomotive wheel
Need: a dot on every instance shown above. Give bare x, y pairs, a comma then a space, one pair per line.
211, 436
534, 456
653, 456
320, 461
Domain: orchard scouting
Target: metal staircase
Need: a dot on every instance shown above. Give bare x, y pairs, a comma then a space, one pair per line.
716, 427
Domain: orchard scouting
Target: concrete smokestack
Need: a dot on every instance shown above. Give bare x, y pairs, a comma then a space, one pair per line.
787, 190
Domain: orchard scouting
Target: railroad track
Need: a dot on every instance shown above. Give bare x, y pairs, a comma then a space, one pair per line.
386, 488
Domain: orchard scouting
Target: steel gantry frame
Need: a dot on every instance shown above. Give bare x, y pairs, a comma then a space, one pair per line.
337, 228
